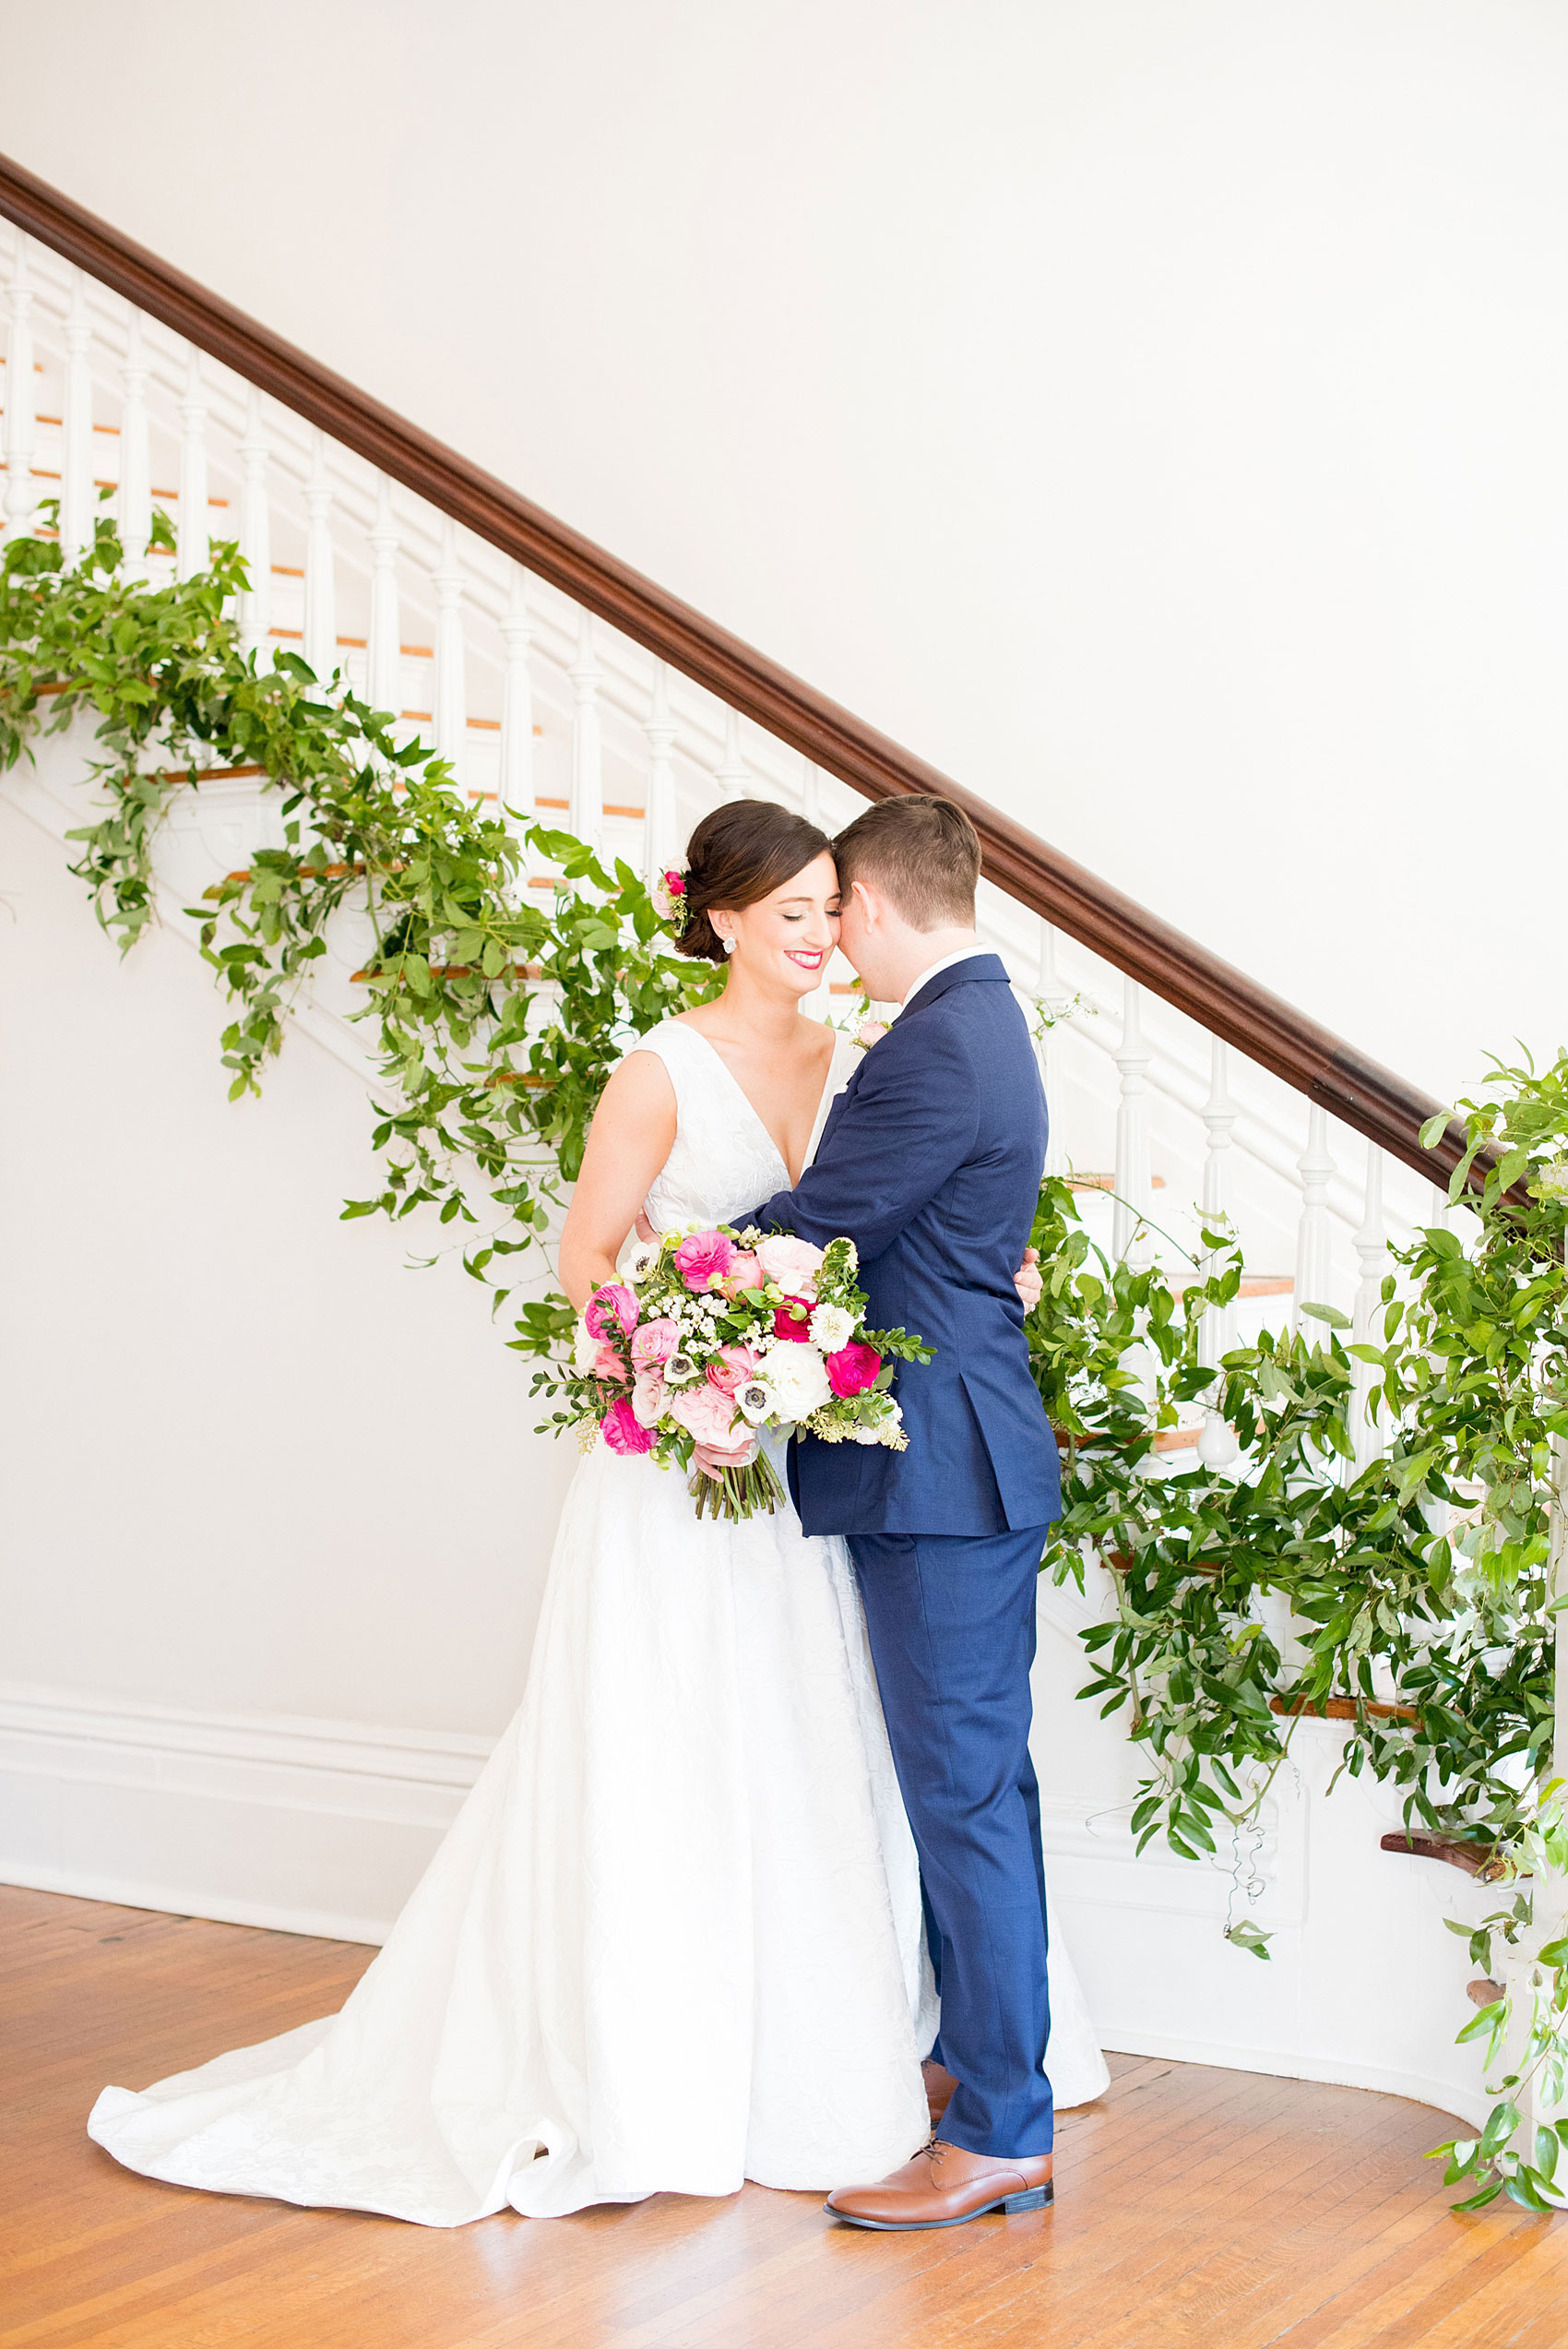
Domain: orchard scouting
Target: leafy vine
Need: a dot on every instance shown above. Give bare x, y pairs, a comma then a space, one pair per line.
1413, 1592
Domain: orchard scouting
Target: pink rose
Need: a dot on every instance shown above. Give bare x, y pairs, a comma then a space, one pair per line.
793, 1263
790, 1323
675, 883
654, 1343
735, 1366
612, 1308
744, 1272
607, 1362
623, 1431
647, 1398
853, 1369
705, 1412
705, 1258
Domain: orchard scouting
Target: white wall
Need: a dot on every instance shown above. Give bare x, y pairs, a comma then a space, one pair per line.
1150, 412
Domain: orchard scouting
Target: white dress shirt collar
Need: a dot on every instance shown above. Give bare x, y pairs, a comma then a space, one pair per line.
965, 954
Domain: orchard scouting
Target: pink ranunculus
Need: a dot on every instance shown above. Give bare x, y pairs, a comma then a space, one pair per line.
734, 1366
787, 1322
653, 1342
744, 1272
793, 1263
607, 1362
623, 1431
853, 1369
703, 1259
647, 1398
705, 1412
612, 1308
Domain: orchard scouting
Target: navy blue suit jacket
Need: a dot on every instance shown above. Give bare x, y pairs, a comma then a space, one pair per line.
930, 1160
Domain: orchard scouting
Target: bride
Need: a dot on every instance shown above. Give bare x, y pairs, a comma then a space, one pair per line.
673, 1939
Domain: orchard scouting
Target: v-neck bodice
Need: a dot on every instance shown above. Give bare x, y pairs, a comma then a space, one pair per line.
723, 1158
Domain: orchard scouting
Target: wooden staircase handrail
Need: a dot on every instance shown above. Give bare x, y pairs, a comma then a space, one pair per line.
1310, 1057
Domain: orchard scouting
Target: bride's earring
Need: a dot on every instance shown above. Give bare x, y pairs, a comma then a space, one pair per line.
726, 941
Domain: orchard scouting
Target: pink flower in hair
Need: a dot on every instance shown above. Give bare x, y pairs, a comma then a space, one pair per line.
703, 1259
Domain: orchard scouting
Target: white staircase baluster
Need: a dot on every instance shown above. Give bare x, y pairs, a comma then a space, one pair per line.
1128, 1237
517, 705
588, 749
256, 538
21, 501
193, 542
78, 498
1216, 1444
1314, 1237
384, 660
1053, 1005
731, 776
134, 498
451, 683
1371, 1247
321, 602
659, 847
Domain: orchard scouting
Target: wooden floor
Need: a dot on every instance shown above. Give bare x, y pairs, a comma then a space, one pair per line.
1195, 2206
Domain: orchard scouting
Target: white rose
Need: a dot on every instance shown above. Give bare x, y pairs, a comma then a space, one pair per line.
831, 1326
585, 1350
795, 1378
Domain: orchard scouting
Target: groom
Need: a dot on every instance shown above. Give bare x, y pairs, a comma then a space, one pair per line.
930, 1160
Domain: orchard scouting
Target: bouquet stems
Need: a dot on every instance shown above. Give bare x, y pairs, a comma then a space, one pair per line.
737, 1493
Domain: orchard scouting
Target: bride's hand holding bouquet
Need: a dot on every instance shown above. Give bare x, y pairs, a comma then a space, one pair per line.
714, 1334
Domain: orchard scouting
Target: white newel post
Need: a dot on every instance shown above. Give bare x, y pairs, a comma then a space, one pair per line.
1053, 1006
21, 501
659, 847
517, 705
193, 540
1216, 1444
1371, 1250
134, 500
78, 497
451, 682
384, 654
321, 602
256, 536
1129, 1236
1314, 1238
588, 749
730, 776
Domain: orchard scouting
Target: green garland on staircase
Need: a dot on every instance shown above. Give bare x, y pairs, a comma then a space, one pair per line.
1413, 1594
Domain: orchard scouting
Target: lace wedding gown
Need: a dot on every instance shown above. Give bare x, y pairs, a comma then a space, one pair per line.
672, 1939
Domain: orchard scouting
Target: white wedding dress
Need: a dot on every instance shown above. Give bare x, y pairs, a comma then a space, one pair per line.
673, 1939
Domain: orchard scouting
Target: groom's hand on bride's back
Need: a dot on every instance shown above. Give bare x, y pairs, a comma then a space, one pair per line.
1028, 1279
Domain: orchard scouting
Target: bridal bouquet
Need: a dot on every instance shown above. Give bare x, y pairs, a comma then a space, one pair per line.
714, 1334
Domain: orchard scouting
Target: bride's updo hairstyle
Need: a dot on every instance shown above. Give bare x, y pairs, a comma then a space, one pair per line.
737, 856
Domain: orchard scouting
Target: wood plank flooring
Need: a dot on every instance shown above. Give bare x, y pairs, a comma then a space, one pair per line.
1196, 2206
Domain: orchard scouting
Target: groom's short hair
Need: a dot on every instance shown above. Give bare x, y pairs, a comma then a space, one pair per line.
924, 854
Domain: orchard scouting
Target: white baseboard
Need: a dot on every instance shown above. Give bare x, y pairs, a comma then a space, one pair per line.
1282, 2064
299, 1825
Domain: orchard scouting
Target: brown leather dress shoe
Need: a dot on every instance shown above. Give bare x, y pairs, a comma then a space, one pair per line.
943, 2186
939, 2087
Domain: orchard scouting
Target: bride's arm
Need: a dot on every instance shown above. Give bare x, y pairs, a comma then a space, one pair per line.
631, 1137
